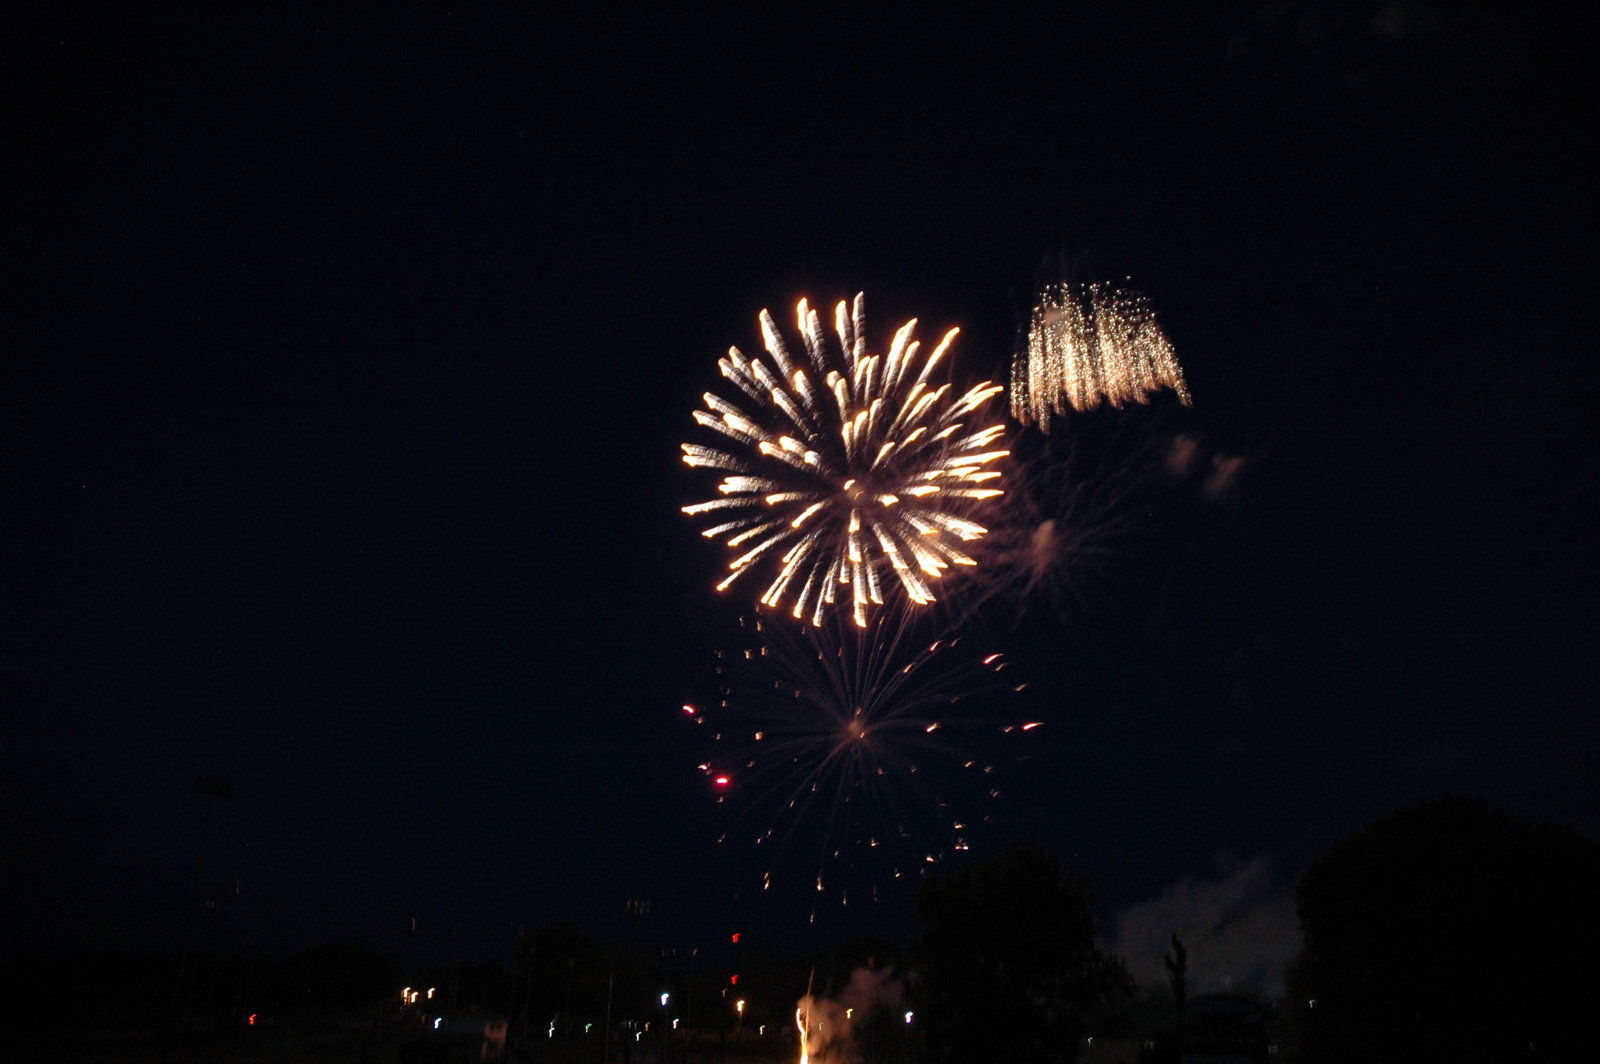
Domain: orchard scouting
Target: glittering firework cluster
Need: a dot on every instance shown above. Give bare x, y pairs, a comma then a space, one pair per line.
854, 481
849, 471
1088, 344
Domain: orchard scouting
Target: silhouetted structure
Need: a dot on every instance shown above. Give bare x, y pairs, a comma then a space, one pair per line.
1177, 972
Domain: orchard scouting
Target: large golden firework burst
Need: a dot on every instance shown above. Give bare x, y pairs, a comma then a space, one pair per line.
853, 472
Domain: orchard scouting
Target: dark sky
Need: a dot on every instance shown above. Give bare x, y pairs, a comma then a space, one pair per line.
349, 350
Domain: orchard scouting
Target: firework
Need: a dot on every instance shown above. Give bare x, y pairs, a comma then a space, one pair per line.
1072, 506
1088, 344
835, 742
849, 473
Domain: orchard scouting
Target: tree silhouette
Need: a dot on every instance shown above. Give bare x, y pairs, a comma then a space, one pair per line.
1448, 931
1006, 969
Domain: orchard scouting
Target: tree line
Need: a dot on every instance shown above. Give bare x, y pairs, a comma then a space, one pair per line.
1445, 931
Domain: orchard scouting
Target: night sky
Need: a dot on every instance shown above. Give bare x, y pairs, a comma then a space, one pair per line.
349, 350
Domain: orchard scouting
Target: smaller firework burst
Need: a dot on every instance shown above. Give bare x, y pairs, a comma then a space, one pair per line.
859, 751
1066, 525
1088, 344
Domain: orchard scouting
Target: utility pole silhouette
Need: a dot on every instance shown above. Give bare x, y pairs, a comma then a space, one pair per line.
1177, 966
195, 911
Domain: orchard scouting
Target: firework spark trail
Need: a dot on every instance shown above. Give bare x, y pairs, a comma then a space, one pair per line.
853, 473
1087, 344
